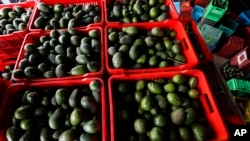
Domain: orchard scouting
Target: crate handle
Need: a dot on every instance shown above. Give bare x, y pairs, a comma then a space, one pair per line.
208, 103
242, 57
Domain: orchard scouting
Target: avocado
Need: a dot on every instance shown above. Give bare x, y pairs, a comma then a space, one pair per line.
89, 104
13, 133
78, 70
67, 135
92, 126
33, 97
154, 88
178, 116
93, 66
56, 119
76, 116
27, 136
199, 131
95, 85
44, 134
60, 70
88, 137
75, 98
23, 112
43, 7
118, 60
61, 96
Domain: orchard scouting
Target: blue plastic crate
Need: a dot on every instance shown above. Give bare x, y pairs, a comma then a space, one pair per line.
197, 12
244, 18
178, 7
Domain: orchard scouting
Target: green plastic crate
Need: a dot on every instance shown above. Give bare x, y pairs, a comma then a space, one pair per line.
239, 87
215, 13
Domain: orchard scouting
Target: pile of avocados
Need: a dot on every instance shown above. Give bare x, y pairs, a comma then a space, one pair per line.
57, 114
7, 72
132, 11
60, 53
153, 48
14, 19
159, 110
66, 16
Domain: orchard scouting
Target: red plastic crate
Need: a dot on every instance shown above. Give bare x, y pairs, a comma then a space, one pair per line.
199, 45
232, 45
9, 104
186, 10
186, 46
244, 59
241, 59
33, 37
67, 2
4, 84
10, 43
245, 33
202, 3
209, 105
169, 3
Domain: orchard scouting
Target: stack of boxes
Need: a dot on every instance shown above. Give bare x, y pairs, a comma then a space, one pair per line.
226, 35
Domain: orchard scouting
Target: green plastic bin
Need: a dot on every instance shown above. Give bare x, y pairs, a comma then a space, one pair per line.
239, 87
215, 13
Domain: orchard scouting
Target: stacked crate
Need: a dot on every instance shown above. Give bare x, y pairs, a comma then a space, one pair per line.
75, 77
125, 74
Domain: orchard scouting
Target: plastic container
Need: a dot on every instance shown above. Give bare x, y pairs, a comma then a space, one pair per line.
239, 87
33, 37
202, 3
172, 12
10, 43
234, 60
187, 48
228, 27
206, 98
177, 5
186, 10
215, 13
244, 59
10, 100
244, 18
197, 12
211, 35
203, 21
66, 3
232, 46
200, 46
